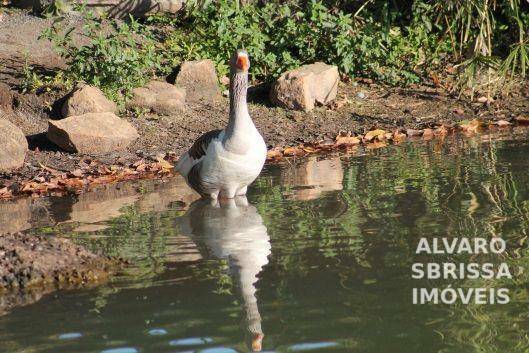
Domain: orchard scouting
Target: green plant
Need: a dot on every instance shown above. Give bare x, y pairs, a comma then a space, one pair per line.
283, 36
115, 56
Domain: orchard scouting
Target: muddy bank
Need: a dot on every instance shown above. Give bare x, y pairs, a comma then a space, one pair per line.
31, 265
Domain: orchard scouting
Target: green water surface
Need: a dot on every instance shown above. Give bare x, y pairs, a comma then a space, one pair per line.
317, 259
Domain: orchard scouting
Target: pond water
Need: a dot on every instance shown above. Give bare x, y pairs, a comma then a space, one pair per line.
318, 258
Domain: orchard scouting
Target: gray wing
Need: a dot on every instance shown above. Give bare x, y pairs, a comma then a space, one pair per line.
199, 148
196, 152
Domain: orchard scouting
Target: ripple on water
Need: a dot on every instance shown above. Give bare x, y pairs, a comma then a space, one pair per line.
192, 341
218, 350
157, 332
121, 350
311, 346
70, 336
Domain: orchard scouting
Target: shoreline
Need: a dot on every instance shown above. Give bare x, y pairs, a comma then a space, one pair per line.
47, 181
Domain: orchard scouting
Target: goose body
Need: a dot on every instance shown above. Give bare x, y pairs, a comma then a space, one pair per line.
222, 163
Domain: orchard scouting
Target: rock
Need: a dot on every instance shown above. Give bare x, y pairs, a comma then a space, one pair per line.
159, 97
13, 146
6, 98
92, 133
200, 81
302, 88
87, 99
113, 8
361, 95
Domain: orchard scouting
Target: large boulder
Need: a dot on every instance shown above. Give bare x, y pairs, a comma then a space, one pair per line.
87, 99
6, 98
200, 81
92, 133
159, 97
302, 88
13, 146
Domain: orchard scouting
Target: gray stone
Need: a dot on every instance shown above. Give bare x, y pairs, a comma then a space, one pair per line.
87, 99
92, 133
113, 8
13, 146
200, 81
159, 97
6, 98
302, 88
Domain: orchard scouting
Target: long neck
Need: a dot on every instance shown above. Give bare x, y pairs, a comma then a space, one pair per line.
240, 123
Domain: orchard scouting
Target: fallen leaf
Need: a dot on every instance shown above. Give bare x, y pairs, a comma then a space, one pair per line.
472, 126
77, 173
427, 134
293, 151
441, 131
502, 123
165, 165
376, 144
413, 132
378, 134
274, 153
398, 136
485, 100
310, 149
522, 119
346, 141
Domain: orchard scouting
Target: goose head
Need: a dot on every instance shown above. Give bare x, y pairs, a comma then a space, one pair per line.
240, 61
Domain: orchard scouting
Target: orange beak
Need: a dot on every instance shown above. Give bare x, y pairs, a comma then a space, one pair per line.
243, 63
257, 343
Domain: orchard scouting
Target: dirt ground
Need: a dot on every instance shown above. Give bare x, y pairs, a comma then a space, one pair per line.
359, 107
33, 265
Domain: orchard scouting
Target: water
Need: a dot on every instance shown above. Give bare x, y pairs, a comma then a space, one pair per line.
317, 259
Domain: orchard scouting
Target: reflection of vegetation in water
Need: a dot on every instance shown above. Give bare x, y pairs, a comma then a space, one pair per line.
464, 189
367, 233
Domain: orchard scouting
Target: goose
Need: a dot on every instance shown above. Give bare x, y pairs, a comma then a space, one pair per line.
222, 163
233, 229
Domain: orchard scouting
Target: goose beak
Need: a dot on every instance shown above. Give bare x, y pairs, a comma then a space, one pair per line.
257, 343
243, 62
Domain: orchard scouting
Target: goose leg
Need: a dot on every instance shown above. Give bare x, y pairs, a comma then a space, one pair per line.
242, 191
227, 193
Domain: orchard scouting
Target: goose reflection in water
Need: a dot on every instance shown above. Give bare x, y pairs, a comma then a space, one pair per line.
233, 229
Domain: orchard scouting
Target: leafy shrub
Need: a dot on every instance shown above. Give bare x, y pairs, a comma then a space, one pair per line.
398, 42
113, 55
283, 36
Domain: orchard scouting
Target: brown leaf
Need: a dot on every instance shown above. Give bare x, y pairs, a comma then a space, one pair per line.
165, 165
346, 141
77, 173
441, 131
375, 134
310, 149
376, 144
138, 163
398, 136
413, 132
427, 134
472, 126
522, 119
274, 153
502, 123
293, 151
485, 100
